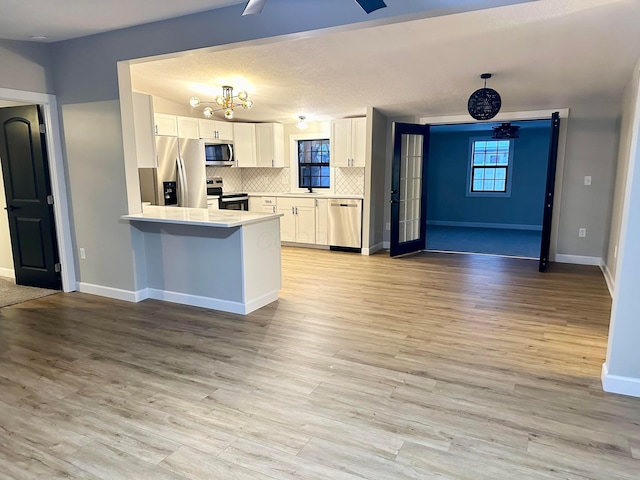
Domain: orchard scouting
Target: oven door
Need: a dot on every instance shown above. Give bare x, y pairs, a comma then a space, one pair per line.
234, 203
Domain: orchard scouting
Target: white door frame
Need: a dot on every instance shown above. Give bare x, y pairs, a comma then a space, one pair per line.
58, 182
562, 142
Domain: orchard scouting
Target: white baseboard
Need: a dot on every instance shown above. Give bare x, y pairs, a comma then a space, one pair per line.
386, 245
608, 278
212, 303
373, 249
578, 259
506, 226
622, 385
7, 272
109, 292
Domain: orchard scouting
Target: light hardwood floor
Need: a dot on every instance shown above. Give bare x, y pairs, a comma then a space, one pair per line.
427, 367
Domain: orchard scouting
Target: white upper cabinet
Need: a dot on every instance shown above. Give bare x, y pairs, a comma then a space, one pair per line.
269, 145
348, 142
143, 125
188, 127
244, 135
216, 130
166, 125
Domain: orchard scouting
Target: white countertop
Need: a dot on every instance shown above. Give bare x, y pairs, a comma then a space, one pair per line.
304, 195
199, 216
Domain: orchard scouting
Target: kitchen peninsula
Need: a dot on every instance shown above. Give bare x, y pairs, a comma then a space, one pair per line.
220, 259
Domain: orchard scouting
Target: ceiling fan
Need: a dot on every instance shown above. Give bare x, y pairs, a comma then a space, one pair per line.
256, 6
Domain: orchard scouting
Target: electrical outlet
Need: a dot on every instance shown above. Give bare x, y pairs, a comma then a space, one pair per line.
587, 180
83, 254
388, 226
582, 232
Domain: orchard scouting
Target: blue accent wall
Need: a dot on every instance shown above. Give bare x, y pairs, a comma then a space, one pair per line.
447, 178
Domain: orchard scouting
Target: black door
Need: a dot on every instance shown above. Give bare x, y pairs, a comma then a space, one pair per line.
408, 198
548, 196
29, 204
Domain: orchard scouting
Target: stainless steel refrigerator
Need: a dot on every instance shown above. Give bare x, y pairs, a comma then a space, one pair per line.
181, 167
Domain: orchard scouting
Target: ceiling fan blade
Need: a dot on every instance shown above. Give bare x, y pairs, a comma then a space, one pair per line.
254, 6
371, 5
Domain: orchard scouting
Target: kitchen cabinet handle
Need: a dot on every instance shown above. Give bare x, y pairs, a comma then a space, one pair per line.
292, 212
272, 163
156, 129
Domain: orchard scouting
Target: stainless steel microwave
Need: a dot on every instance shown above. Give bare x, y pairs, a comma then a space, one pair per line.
217, 154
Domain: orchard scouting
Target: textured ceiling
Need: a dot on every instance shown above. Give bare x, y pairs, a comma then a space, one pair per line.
64, 19
546, 54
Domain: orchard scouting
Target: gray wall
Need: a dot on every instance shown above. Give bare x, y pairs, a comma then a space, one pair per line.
26, 66
624, 151
93, 139
447, 179
591, 148
376, 177
623, 359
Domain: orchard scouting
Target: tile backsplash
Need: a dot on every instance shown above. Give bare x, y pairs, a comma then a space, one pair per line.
271, 180
231, 177
348, 181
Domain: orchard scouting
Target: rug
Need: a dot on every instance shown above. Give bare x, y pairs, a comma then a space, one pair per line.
10, 293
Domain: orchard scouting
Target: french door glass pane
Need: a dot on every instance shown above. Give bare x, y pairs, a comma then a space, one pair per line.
410, 187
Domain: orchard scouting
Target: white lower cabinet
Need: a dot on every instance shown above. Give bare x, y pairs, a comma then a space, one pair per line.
298, 223
263, 204
322, 221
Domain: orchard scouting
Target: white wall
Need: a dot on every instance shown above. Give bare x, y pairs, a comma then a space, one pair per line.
6, 259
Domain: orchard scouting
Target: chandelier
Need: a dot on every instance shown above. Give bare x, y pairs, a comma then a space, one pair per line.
225, 102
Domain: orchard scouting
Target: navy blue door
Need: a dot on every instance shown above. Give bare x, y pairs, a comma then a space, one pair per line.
408, 196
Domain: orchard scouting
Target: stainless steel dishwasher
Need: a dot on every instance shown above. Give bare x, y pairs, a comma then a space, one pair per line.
345, 223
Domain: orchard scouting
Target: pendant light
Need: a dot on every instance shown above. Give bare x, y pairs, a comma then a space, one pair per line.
484, 103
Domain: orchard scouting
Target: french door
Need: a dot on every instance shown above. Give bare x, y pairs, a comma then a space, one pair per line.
408, 192
545, 243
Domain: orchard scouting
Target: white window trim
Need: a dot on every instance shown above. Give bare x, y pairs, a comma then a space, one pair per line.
506, 194
293, 162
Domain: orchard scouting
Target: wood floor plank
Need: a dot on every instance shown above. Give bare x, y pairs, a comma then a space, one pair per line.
431, 366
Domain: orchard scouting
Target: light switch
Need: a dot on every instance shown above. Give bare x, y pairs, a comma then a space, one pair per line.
587, 180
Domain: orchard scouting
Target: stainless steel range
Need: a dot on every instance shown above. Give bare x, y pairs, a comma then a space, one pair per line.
226, 200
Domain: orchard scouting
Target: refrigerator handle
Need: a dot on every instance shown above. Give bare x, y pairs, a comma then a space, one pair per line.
182, 186
185, 186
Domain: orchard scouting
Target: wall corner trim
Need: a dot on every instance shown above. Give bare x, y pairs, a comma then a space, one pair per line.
373, 249
608, 278
7, 272
617, 384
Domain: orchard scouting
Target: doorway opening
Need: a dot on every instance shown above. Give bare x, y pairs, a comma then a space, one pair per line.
485, 195
25, 183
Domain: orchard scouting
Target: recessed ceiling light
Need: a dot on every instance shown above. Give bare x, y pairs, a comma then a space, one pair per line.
38, 37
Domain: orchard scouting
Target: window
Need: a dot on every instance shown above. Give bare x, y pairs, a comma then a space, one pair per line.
490, 162
313, 164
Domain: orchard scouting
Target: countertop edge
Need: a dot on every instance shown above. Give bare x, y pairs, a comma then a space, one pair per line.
201, 223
